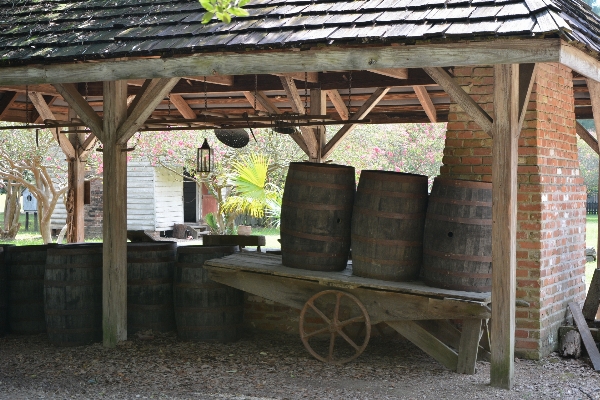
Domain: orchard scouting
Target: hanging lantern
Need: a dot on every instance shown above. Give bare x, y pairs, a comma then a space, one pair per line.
204, 160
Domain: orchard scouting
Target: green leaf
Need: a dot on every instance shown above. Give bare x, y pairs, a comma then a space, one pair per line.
242, 3
238, 12
207, 17
208, 5
225, 17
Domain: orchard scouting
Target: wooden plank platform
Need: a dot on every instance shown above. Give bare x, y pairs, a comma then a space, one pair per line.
271, 264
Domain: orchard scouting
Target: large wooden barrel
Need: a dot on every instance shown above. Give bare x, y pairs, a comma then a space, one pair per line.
73, 294
26, 265
205, 310
457, 245
316, 214
150, 286
387, 225
3, 290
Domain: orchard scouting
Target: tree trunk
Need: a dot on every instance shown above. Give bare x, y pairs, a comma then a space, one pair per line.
44, 216
12, 211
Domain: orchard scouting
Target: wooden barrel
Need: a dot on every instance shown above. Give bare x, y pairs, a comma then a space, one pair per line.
387, 225
150, 286
3, 290
457, 245
26, 265
73, 294
205, 310
316, 214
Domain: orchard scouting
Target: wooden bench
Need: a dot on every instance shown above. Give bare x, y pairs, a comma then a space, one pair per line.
239, 240
418, 312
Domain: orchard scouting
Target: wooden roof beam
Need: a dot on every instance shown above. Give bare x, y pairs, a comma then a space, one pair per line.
183, 107
87, 114
6, 101
44, 110
426, 102
338, 103
263, 103
398, 73
307, 133
587, 137
312, 77
465, 101
362, 112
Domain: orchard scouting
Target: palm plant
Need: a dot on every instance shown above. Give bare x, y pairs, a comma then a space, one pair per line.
251, 193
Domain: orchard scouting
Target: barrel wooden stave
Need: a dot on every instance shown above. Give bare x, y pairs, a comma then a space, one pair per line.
205, 310
26, 265
387, 225
457, 251
3, 292
316, 215
150, 286
73, 294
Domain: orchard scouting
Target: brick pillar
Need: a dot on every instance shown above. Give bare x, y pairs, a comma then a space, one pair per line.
551, 199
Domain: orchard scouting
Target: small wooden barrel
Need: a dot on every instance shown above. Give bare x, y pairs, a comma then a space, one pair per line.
3, 291
457, 245
205, 311
150, 286
316, 214
26, 265
387, 225
73, 294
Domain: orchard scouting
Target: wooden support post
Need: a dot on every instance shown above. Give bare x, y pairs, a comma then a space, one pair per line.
318, 106
76, 178
469, 346
114, 280
504, 216
594, 88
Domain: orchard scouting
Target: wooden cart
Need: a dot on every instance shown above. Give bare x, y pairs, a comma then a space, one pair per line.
418, 312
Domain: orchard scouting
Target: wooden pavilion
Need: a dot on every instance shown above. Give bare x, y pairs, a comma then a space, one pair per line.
95, 69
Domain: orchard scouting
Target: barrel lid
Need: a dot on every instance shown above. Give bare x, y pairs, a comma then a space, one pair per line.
316, 167
392, 176
150, 246
30, 248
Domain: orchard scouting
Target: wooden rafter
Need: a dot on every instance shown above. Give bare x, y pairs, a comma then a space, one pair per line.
398, 73
226, 80
263, 103
338, 103
307, 133
360, 114
426, 102
527, 74
318, 106
312, 77
587, 137
44, 110
182, 106
149, 99
461, 98
87, 114
6, 101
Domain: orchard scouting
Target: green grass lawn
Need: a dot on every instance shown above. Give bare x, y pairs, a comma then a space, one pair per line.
591, 240
271, 235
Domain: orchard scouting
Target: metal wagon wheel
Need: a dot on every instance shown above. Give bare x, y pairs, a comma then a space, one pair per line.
335, 326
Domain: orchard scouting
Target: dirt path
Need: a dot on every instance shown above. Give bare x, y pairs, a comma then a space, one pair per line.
265, 366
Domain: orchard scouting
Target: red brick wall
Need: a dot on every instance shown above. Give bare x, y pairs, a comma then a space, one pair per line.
551, 198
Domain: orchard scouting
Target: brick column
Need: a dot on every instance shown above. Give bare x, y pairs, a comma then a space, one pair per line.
551, 200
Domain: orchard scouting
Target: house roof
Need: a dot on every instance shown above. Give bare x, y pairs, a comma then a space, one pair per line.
65, 30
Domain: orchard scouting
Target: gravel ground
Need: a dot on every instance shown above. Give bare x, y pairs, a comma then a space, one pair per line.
265, 366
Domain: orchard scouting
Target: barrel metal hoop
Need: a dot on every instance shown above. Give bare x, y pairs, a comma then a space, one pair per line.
463, 183
319, 238
452, 286
454, 256
149, 282
385, 261
390, 215
324, 170
151, 260
315, 254
317, 206
51, 283
445, 200
465, 221
150, 307
77, 266
390, 242
387, 193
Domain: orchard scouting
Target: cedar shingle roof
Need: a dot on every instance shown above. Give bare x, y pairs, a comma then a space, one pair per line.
65, 30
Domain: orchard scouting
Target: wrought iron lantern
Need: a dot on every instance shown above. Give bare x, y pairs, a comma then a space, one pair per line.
204, 160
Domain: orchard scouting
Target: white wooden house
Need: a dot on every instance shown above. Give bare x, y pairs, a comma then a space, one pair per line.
154, 200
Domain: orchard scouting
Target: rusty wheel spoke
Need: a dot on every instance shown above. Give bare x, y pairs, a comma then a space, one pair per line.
319, 313
318, 332
336, 312
350, 341
331, 346
351, 321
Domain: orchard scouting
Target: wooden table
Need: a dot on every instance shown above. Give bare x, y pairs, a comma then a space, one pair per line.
418, 312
